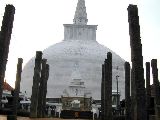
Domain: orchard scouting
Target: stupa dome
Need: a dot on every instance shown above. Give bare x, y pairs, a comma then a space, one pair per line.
79, 46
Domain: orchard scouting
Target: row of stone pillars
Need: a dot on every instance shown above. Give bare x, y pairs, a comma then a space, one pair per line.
39, 88
5, 37
140, 97
41, 71
130, 99
137, 98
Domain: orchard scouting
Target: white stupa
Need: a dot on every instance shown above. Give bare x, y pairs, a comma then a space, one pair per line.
79, 45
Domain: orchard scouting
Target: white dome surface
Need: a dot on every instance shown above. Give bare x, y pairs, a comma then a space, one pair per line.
62, 57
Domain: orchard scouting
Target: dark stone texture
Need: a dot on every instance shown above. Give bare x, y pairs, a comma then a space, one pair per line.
102, 94
156, 88
139, 96
5, 36
108, 87
127, 91
11, 117
17, 86
148, 88
43, 89
35, 87
152, 117
132, 95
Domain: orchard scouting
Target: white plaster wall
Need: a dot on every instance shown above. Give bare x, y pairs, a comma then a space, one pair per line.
79, 32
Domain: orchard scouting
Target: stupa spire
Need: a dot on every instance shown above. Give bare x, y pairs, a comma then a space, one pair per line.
80, 17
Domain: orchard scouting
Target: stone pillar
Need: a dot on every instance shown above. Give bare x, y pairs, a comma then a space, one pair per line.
14, 103
127, 91
5, 36
156, 88
133, 99
104, 90
102, 94
35, 87
17, 86
148, 88
41, 88
45, 90
140, 112
108, 88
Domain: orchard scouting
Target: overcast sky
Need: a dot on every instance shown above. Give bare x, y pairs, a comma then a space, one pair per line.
39, 24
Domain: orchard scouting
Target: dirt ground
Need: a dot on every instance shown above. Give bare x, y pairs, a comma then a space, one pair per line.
2, 117
26, 118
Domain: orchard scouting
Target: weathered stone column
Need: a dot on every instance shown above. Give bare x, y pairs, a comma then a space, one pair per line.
17, 86
41, 88
133, 99
105, 91
148, 88
140, 112
102, 94
127, 91
15, 103
5, 36
108, 88
35, 87
156, 88
45, 90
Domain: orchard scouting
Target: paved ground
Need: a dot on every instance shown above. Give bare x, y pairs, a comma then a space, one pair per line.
26, 118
